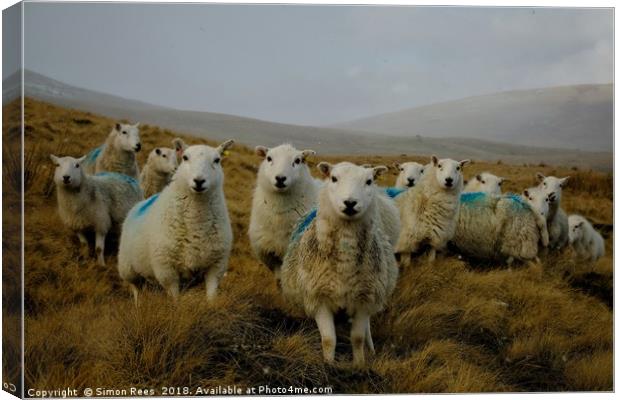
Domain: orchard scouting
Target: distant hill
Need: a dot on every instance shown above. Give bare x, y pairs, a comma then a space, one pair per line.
328, 140
569, 117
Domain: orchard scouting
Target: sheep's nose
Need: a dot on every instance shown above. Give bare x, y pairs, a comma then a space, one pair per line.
137, 147
199, 182
411, 181
449, 180
66, 178
280, 179
350, 203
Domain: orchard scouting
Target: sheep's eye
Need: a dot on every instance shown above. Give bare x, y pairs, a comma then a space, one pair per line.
483, 182
269, 159
422, 171
297, 161
544, 183
163, 155
185, 158
334, 179
458, 168
369, 182
77, 165
124, 132
439, 166
401, 169
217, 161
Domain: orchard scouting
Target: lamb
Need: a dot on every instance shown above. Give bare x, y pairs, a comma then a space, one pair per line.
340, 258
182, 231
485, 182
285, 191
409, 174
557, 221
118, 153
585, 240
92, 202
429, 211
505, 227
158, 170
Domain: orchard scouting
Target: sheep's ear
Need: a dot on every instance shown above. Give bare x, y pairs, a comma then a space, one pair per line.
564, 181
261, 151
307, 153
54, 159
503, 180
540, 176
117, 126
325, 168
81, 159
526, 193
434, 160
136, 125
224, 146
479, 177
179, 146
378, 170
462, 163
366, 165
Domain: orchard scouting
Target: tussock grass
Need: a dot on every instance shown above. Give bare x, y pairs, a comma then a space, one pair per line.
457, 326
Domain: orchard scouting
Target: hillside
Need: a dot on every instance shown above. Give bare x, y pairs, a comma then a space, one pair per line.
325, 140
568, 117
457, 326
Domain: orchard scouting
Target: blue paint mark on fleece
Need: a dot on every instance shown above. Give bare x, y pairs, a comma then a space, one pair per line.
393, 192
91, 157
123, 177
303, 224
143, 206
469, 198
517, 201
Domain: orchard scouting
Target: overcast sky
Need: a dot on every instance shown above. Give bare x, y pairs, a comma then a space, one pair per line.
313, 64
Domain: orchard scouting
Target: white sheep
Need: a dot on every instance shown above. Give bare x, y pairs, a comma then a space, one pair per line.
182, 231
429, 211
409, 174
585, 240
502, 227
557, 221
118, 153
92, 202
485, 182
285, 191
158, 170
340, 258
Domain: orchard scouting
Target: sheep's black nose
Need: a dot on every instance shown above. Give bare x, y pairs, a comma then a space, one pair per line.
138, 147
350, 203
280, 178
410, 181
449, 182
66, 178
199, 182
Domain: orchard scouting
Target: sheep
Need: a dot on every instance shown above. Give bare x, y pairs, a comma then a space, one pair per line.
409, 174
429, 211
340, 258
557, 221
158, 170
502, 227
284, 192
585, 240
183, 231
485, 182
118, 153
92, 202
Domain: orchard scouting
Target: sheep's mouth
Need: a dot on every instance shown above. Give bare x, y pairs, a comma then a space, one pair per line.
410, 184
199, 189
280, 185
350, 212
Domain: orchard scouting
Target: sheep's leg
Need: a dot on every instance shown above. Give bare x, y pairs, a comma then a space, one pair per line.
432, 255
99, 247
212, 281
325, 321
369, 342
134, 292
359, 329
83, 244
168, 279
510, 260
403, 259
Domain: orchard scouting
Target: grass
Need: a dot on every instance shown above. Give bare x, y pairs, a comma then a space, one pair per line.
453, 327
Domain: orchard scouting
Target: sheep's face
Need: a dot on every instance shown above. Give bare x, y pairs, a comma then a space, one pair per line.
163, 160
128, 137
575, 229
201, 168
350, 188
68, 171
449, 173
282, 166
409, 174
489, 183
552, 186
538, 201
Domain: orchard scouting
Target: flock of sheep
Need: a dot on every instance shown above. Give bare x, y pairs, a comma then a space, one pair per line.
332, 244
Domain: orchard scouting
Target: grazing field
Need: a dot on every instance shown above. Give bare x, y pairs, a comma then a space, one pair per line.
458, 326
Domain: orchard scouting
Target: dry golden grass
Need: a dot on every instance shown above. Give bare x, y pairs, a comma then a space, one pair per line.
453, 327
